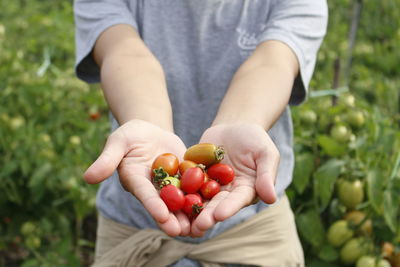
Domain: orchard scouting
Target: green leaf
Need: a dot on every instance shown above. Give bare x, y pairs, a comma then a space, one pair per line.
302, 171
375, 186
311, 228
330, 146
391, 201
328, 253
324, 181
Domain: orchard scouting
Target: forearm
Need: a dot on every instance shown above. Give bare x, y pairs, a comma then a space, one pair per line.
133, 81
261, 88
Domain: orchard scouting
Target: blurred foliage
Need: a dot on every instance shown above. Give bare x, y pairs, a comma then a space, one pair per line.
52, 127
347, 141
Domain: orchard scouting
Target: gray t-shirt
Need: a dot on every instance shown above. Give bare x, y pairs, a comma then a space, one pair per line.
200, 44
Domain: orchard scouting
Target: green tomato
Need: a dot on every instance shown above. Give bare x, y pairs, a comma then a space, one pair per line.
366, 261
33, 242
171, 180
383, 263
338, 233
356, 118
347, 100
353, 250
350, 193
308, 116
340, 133
28, 228
355, 217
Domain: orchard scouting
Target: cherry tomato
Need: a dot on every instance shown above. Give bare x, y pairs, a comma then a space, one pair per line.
168, 162
350, 193
340, 133
354, 249
210, 189
366, 261
356, 118
205, 153
355, 217
192, 180
338, 233
308, 116
387, 249
173, 197
186, 164
94, 116
170, 180
383, 263
193, 205
222, 173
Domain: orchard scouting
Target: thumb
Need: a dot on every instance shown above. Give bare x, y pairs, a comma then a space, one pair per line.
267, 166
108, 161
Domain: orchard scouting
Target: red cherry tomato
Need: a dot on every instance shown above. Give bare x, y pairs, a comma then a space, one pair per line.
186, 164
222, 173
210, 189
193, 205
169, 162
173, 197
192, 180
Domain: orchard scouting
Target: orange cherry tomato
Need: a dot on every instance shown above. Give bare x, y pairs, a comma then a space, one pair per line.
186, 164
168, 162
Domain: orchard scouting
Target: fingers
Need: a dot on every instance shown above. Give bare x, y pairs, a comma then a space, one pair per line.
171, 226
108, 161
238, 198
142, 188
184, 223
206, 219
267, 166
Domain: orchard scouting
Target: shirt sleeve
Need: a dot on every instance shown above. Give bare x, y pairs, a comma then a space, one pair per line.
92, 17
300, 24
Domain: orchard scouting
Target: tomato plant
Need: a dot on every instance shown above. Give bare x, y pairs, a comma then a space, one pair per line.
222, 173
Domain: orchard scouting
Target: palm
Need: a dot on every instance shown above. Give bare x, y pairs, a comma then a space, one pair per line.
132, 148
246, 148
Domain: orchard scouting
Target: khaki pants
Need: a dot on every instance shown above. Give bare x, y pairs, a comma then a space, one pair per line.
267, 239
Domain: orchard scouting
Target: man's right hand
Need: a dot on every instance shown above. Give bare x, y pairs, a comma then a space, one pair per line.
132, 149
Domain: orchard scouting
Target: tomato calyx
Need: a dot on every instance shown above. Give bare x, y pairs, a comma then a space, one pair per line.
196, 209
219, 153
158, 175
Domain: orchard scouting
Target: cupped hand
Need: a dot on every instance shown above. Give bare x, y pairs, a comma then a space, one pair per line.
132, 149
254, 158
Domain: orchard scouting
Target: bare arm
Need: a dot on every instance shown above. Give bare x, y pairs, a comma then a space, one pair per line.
261, 87
131, 77
134, 87
259, 92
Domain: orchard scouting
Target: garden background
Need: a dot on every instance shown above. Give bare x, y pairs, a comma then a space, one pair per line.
347, 139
